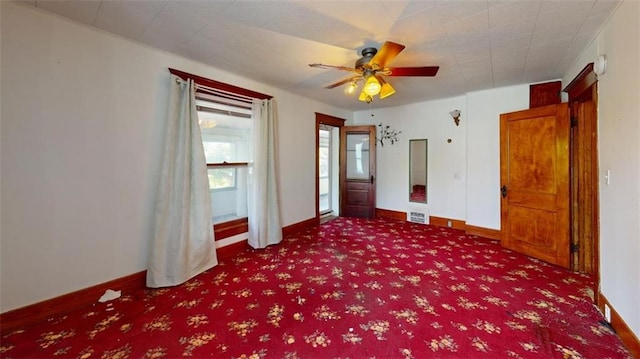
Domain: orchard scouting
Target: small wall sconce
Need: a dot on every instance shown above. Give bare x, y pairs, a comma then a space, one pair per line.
600, 65
456, 116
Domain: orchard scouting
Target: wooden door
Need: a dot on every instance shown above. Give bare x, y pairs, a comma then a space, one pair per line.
534, 174
358, 171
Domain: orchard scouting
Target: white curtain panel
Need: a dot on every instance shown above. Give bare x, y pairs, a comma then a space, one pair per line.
183, 245
264, 209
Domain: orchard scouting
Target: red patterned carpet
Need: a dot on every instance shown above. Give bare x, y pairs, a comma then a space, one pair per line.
419, 193
351, 288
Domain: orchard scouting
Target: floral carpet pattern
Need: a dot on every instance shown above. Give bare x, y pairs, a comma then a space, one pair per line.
419, 193
351, 288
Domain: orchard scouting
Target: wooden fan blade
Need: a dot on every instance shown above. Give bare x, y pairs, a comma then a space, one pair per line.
412, 71
386, 89
332, 67
387, 52
342, 82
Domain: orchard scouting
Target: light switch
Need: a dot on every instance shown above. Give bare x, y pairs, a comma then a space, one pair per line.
607, 177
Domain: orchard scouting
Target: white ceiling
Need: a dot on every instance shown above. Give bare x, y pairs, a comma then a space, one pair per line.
477, 44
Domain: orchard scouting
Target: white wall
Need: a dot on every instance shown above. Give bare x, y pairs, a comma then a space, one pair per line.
446, 172
82, 124
463, 177
619, 151
483, 150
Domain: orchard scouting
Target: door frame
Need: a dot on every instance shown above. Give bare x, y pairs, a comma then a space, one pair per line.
333, 170
585, 166
322, 119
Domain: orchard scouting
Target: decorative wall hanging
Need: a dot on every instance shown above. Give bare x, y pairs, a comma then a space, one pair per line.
386, 133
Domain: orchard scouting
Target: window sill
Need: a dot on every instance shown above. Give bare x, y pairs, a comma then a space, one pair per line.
231, 228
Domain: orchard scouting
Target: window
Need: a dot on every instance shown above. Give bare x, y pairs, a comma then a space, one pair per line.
226, 137
231, 102
217, 153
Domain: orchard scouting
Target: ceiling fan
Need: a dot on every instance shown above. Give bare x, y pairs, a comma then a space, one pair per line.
372, 66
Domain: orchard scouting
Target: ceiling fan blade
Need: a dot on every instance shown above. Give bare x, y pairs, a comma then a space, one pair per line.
387, 52
412, 71
332, 67
386, 90
342, 82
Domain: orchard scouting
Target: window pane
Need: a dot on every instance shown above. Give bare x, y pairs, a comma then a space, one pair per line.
218, 152
357, 156
226, 145
229, 203
222, 178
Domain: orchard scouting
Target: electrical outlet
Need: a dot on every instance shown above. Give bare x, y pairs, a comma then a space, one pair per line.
607, 313
448, 223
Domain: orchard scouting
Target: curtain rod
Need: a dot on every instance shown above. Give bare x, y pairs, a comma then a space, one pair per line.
224, 101
203, 91
220, 85
224, 94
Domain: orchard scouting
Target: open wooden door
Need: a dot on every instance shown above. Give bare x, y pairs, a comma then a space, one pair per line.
534, 173
358, 171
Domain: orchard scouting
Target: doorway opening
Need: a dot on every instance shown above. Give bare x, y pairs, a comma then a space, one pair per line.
328, 170
327, 167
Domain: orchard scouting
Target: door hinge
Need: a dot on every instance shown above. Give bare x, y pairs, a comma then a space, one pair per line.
574, 121
575, 248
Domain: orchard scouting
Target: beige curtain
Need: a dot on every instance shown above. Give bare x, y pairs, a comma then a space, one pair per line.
264, 208
183, 244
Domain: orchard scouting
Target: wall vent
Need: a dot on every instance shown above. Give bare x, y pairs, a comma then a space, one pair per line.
418, 215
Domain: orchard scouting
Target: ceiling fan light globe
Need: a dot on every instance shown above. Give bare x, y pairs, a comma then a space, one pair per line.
386, 91
364, 97
372, 86
352, 88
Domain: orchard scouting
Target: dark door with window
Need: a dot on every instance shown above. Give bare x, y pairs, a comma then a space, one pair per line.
358, 171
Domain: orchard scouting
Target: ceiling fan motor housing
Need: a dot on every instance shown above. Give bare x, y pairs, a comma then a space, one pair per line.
367, 54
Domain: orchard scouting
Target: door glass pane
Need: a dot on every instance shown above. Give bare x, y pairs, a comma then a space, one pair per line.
357, 156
